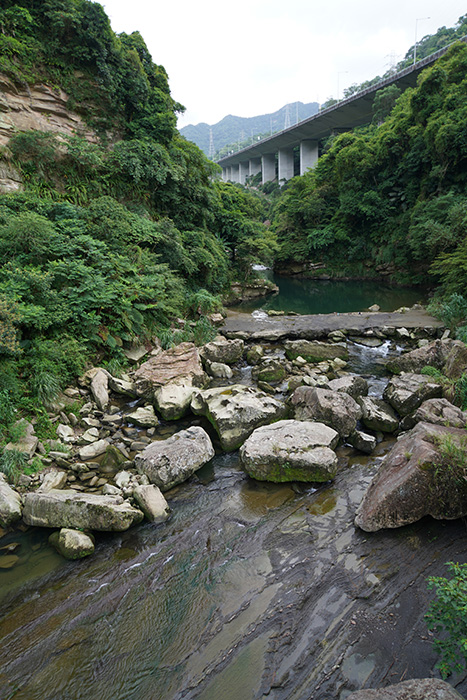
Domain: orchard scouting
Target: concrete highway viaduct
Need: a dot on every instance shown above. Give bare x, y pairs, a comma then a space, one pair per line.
343, 116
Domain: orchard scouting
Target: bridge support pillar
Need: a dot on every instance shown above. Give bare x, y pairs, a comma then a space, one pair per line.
226, 174
243, 169
308, 155
254, 166
286, 170
234, 173
268, 166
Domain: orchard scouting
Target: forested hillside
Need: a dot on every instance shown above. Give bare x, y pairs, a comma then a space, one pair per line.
236, 132
111, 238
391, 196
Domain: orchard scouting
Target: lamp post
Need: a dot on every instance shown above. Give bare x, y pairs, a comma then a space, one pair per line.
419, 19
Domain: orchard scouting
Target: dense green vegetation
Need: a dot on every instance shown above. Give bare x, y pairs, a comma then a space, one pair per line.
110, 240
391, 194
446, 615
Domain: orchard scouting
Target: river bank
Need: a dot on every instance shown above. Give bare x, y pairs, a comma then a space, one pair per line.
250, 589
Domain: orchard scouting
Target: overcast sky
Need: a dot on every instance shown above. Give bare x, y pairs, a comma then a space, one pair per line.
251, 57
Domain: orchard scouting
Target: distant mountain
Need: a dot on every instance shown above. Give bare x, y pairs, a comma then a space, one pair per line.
233, 130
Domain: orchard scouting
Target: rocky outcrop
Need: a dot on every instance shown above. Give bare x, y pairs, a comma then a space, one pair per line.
416, 479
408, 391
335, 409
352, 384
72, 544
440, 412
416, 689
291, 450
448, 356
170, 379
38, 107
10, 504
235, 411
79, 511
222, 350
315, 351
378, 415
172, 461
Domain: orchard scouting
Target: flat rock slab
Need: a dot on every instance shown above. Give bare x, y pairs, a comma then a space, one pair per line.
235, 411
291, 450
79, 511
414, 480
169, 462
317, 326
417, 689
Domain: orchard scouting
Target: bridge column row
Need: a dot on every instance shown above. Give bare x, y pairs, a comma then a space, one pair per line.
267, 164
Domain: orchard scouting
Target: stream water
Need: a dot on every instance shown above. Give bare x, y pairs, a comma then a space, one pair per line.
250, 591
308, 296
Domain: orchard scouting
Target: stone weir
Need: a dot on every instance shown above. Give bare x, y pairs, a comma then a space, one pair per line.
313, 327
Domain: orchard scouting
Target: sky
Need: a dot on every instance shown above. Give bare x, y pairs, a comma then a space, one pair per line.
251, 57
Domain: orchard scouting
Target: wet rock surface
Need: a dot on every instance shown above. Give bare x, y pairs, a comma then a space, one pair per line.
271, 589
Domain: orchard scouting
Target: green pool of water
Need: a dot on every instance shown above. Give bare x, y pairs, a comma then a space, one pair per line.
305, 296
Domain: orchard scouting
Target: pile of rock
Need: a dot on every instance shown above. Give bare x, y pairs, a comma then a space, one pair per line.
116, 463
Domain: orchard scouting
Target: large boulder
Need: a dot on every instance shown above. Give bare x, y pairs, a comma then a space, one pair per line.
79, 511
449, 356
143, 416
100, 389
173, 399
170, 378
172, 461
270, 370
378, 415
416, 479
152, 502
407, 392
72, 544
336, 409
351, 384
440, 412
181, 362
10, 504
222, 350
291, 450
235, 411
315, 351
416, 689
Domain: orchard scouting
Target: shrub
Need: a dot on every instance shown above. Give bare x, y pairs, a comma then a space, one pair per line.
447, 615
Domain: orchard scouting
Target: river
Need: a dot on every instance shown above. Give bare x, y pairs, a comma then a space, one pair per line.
308, 296
250, 591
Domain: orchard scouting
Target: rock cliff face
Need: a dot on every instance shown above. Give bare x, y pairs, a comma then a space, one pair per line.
37, 107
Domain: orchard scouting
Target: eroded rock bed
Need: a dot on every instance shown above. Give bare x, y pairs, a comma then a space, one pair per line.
249, 590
